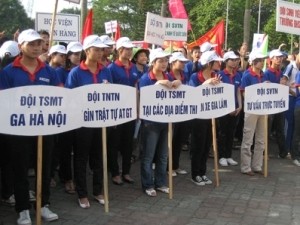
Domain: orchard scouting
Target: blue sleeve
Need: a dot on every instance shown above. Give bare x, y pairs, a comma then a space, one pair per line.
266, 76
4, 80
245, 81
288, 70
55, 80
193, 80
71, 81
107, 75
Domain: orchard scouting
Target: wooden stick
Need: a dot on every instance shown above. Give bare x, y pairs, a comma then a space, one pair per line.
170, 137
53, 23
266, 146
215, 148
105, 180
39, 180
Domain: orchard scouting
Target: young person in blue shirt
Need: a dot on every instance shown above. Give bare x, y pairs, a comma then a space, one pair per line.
274, 75
8, 53
24, 71
201, 136
177, 62
120, 138
291, 70
228, 123
88, 141
106, 58
194, 65
295, 152
65, 141
140, 58
253, 124
154, 134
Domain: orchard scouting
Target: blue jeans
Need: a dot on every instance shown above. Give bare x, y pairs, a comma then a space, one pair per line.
155, 144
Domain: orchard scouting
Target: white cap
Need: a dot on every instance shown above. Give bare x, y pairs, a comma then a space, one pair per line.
28, 36
10, 47
93, 41
208, 57
107, 40
230, 55
156, 54
74, 46
57, 48
256, 55
124, 42
177, 56
206, 46
275, 52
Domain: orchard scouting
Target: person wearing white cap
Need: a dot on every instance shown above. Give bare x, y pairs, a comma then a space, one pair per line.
88, 146
57, 54
201, 134
8, 52
65, 140
228, 123
253, 124
105, 61
274, 75
207, 46
154, 138
177, 63
28, 70
120, 138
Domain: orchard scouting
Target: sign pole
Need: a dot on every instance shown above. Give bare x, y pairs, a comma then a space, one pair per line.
266, 146
39, 179
53, 23
215, 148
105, 180
170, 137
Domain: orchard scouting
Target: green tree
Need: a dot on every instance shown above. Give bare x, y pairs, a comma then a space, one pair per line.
73, 10
13, 17
131, 15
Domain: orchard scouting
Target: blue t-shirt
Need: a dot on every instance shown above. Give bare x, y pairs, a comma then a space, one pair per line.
63, 74
189, 68
16, 75
183, 79
81, 75
198, 79
273, 75
122, 75
250, 78
235, 80
150, 79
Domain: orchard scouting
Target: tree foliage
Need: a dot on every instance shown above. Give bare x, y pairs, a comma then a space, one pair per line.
13, 17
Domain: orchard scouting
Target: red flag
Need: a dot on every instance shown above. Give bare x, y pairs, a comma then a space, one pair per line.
118, 32
177, 10
88, 25
214, 36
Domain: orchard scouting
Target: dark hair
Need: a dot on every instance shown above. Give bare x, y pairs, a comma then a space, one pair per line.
195, 48
44, 32
69, 65
6, 60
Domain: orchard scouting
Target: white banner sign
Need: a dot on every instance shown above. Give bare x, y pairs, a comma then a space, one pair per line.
104, 105
111, 26
288, 17
43, 110
36, 110
160, 104
155, 29
266, 98
176, 29
67, 26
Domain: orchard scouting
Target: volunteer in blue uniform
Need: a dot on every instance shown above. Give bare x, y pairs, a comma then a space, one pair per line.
8, 52
88, 142
65, 142
180, 130
107, 55
120, 138
227, 124
24, 71
274, 75
140, 58
155, 135
201, 135
251, 163
295, 152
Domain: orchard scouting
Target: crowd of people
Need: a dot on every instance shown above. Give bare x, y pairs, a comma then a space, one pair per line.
30, 60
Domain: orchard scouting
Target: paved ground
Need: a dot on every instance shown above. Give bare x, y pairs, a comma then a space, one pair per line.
239, 199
